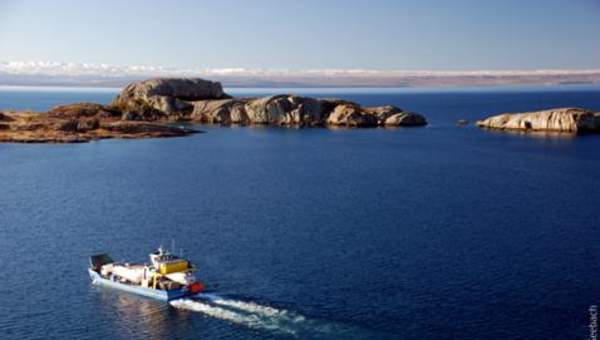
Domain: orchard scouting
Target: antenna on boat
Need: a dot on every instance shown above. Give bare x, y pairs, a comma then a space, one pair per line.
172, 244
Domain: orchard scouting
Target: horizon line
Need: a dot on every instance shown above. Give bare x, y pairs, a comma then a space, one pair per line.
19, 66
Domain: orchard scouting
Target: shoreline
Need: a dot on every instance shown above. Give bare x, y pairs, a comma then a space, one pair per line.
149, 108
145, 109
333, 89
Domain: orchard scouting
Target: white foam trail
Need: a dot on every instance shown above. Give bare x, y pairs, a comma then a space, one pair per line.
254, 315
254, 308
248, 320
213, 311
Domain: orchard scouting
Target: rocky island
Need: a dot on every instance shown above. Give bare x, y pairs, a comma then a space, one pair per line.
571, 120
149, 108
204, 101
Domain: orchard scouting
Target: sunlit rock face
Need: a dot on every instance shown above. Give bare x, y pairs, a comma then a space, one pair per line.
558, 120
165, 97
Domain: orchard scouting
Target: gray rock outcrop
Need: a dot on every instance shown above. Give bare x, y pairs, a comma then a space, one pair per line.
165, 97
351, 115
284, 110
558, 120
405, 119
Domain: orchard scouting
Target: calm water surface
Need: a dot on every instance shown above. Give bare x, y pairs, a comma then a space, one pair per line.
436, 232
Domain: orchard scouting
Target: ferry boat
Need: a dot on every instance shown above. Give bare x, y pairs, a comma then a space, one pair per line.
166, 278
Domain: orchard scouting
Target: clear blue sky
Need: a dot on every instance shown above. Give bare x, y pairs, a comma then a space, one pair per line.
300, 34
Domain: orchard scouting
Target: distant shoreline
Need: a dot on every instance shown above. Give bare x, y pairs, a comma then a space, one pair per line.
583, 86
114, 76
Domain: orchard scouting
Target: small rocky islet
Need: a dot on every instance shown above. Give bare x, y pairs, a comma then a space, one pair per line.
151, 108
568, 120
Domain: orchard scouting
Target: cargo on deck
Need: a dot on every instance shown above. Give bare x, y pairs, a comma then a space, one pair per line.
166, 277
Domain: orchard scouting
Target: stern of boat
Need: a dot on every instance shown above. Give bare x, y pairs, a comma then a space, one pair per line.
93, 275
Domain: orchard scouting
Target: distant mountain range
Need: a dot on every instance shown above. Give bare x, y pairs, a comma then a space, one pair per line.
102, 75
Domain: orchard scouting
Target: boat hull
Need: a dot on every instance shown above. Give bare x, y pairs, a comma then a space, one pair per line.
162, 295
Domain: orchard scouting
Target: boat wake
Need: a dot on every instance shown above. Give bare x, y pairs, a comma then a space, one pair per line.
277, 320
249, 314
255, 308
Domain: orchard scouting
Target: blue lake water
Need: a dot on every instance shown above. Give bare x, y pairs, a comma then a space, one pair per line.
436, 232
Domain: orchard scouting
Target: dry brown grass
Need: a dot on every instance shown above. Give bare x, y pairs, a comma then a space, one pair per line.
78, 123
